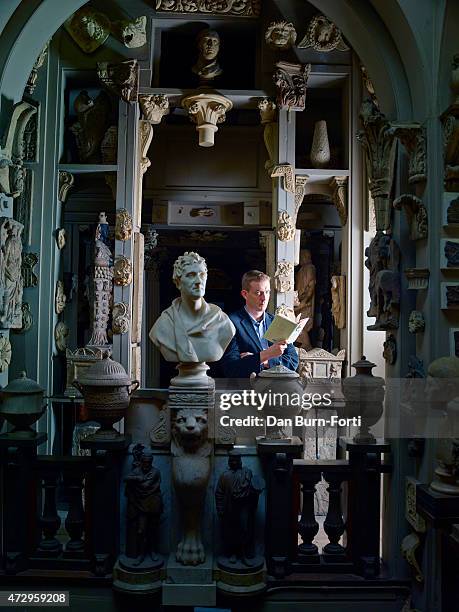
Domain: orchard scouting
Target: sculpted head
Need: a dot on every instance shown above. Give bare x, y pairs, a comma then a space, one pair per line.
280, 35
208, 43
190, 275
305, 257
189, 427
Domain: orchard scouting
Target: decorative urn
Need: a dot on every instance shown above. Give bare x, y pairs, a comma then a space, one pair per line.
22, 405
364, 397
106, 389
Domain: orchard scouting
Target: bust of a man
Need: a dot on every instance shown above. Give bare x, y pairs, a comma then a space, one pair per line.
191, 330
207, 67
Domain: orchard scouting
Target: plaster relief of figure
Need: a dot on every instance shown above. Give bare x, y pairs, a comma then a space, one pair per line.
208, 44
93, 121
11, 281
143, 510
191, 331
305, 285
190, 475
280, 35
338, 292
236, 499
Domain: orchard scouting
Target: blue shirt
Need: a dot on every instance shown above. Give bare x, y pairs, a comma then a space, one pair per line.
260, 328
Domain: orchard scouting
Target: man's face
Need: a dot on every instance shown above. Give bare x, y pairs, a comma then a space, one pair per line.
257, 297
193, 280
209, 46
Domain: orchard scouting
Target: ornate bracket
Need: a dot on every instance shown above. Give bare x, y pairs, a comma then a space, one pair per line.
339, 184
154, 107
409, 546
288, 175
206, 110
291, 81
300, 188
66, 181
121, 79
145, 138
413, 138
121, 318
267, 110
416, 215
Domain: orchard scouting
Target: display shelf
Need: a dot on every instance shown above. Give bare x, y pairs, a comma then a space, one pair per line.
87, 168
247, 98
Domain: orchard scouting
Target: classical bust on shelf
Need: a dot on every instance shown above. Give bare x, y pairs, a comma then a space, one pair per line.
207, 67
191, 330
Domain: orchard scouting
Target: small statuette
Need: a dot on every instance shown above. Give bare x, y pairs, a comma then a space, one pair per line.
123, 227
122, 272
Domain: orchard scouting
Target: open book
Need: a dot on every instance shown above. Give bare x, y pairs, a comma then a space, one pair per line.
282, 328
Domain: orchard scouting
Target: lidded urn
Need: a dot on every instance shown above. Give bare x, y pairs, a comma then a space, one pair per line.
22, 405
106, 389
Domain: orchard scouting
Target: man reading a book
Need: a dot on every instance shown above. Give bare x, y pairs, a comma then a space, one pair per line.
248, 351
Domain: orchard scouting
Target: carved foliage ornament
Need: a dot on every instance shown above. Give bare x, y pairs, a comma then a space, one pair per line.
291, 80
300, 187
283, 277
88, 28
323, 36
416, 214
285, 227
154, 107
288, 175
5, 353
121, 79
121, 318
246, 8
122, 271
123, 226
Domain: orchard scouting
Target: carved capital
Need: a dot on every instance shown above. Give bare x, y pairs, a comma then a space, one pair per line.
413, 138
66, 181
378, 141
339, 184
291, 81
206, 110
416, 215
287, 173
418, 278
145, 138
154, 107
121, 79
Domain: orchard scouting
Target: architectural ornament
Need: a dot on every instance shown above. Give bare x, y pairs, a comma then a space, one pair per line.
66, 181
160, 432
109, 146
121, 79
411, 514
154, 107
29, 261
339, 185
291, 81
379, 143
287, 173
323, 36
416, 322
24, 204
5, 353
285, 226
319, 363
12, 153
383, 260
409, 546
283, 277
61, 333
191, 451
93, 121
286, 311
207, 66
60, 299
33, 76
206, 110
413, 138
122, 271
418, 278
390, 349
450, 120
305, 287
121, 320
30, 139
27, 317
241, 8
61, 238
88, 28
338, 293
267, 110
132, 33
280, 35
451, 253
368, 84
11, 281
300, 188
145, 138
123, 226
416, 215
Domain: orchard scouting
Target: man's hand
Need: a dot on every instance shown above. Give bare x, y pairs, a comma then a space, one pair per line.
276, 350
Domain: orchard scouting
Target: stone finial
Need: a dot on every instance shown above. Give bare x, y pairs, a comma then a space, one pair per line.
206, 110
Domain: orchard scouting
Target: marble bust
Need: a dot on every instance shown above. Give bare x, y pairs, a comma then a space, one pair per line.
207, 67
191, 330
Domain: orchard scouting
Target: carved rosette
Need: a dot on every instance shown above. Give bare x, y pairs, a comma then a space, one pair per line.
285, 226
66, 181
323, 36
121, 318
33, 77
11, 281
29, 261
416, 215
122, 271
154, 107
60, 299
145, 138
5, 353
283, 277
206, 110
121, 79
300, 188
241, 8
339, 185
291, 81
123, 225
61, 332
379, 143
288, 175
413, 138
